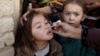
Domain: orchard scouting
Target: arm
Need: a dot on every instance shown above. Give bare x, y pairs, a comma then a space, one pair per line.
92, 39
55, 6
93, 5
46, 10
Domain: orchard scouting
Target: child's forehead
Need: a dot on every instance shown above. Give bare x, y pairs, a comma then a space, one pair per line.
73, 5
39, 18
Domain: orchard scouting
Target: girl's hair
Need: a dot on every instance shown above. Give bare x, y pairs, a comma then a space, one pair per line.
81, 3
23, 37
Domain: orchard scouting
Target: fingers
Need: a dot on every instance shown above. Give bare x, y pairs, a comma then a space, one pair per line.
66, 30
23, 18
62, 33
55, 24
59, 28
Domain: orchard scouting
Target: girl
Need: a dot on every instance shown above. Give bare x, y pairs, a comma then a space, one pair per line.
73, 13
35, 37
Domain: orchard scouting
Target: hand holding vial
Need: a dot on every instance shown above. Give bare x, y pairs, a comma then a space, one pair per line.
66, 30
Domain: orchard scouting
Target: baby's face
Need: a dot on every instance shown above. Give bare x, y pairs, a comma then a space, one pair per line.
41, 29
73, 14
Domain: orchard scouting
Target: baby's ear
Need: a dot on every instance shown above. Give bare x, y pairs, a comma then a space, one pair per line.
84, 17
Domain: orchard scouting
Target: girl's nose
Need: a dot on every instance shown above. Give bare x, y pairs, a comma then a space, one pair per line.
47, 26
71, 18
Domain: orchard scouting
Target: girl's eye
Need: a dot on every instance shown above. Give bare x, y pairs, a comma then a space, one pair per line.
67, 13
46, 22
76, 14
39, 26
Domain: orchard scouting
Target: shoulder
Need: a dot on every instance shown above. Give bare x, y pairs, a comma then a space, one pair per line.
54, 43
56, 48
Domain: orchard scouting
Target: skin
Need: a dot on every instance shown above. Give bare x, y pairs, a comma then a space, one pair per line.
41, 31
73, 14
93, 5
75, 32
70, 27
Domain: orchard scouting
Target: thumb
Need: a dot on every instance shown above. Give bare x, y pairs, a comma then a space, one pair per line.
62, 24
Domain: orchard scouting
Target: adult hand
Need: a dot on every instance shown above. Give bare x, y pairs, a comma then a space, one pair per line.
45, 10
66, 30
93, 5
24, 17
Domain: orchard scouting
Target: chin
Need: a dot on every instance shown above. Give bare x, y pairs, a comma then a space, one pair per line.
73, 25
77, 26
50, 37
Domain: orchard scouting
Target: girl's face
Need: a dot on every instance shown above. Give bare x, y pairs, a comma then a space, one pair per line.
73, 14
41, 29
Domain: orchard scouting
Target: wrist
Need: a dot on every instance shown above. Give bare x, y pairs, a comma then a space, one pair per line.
53, 10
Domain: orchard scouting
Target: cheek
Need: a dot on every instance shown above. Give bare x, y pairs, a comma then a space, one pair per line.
80, 19
37, 34
65, 18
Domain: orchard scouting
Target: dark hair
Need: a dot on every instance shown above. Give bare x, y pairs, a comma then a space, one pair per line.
81, 3
23, 37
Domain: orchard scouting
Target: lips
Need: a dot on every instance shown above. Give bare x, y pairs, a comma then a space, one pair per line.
49, 32
70, 22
